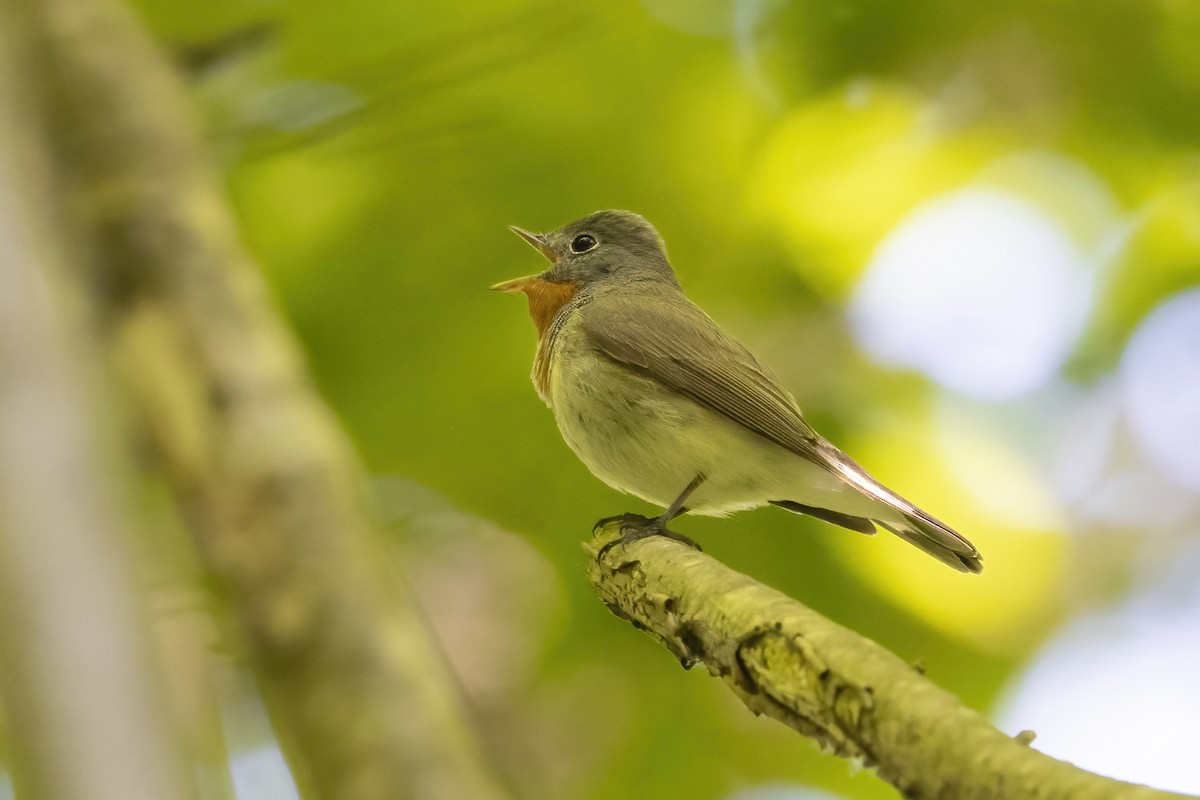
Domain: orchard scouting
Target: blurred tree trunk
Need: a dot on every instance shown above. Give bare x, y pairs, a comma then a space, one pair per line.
359, 695
81, 696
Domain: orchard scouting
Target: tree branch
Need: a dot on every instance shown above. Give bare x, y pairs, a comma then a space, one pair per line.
358, 693
852, 696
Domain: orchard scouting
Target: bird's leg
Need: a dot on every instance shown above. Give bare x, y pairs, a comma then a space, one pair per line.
635, 526
678, 507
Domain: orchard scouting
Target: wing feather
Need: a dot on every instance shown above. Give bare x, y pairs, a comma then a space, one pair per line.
679, 344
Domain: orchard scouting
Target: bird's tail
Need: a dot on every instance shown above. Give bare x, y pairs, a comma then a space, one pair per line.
937, 539
925, 532
910, 523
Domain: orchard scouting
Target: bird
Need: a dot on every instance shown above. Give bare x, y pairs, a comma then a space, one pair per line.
659, 402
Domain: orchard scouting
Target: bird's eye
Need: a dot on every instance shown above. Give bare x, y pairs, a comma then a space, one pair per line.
582, 243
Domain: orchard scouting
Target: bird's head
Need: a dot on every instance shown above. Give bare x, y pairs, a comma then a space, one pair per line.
605, 248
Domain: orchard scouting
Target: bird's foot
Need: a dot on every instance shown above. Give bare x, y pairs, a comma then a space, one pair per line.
635, 527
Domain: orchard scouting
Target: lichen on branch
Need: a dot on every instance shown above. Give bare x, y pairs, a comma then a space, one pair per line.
852, 696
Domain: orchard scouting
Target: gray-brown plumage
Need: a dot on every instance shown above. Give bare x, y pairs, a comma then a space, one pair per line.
661, 403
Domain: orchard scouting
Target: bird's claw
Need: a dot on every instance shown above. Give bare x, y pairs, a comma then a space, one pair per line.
635, 527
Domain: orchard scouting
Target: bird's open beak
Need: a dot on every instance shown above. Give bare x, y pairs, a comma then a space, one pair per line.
537, 241
517, 284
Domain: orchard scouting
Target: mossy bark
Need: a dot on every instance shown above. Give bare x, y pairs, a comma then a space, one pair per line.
852, 696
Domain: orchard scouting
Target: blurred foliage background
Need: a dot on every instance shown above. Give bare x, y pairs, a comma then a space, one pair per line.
967, 237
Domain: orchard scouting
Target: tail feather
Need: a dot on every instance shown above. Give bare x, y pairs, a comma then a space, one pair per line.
938, 541
935, 538
857, 524
917, 528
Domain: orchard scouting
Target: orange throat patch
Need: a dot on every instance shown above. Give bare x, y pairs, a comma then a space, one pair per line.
546, 299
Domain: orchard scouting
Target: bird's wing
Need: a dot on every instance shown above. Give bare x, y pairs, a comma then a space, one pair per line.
675, 342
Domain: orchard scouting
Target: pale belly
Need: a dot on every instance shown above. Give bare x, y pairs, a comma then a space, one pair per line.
642, 438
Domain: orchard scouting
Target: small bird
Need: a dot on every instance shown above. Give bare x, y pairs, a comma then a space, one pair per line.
659, 402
